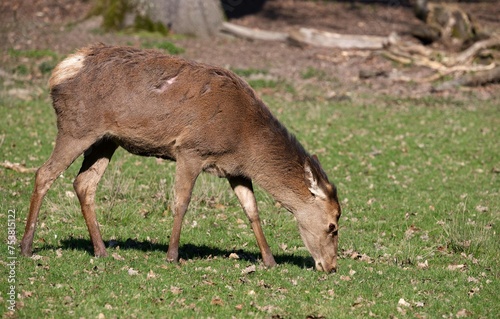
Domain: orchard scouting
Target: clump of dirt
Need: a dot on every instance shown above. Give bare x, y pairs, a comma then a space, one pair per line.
63, 26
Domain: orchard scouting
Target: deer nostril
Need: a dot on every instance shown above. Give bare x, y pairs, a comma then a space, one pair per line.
334, 270
332, 227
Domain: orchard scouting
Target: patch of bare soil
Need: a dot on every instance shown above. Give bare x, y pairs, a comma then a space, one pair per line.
62, 26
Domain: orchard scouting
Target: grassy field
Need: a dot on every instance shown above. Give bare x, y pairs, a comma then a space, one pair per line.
419, 238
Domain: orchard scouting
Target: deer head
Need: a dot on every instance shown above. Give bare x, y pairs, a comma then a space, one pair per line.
319, 219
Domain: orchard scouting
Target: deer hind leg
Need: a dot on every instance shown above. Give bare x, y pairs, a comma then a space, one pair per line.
243, 189
185, 178
66, 150
94, 164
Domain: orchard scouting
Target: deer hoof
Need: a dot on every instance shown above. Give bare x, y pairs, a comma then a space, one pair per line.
26, 252
270, 262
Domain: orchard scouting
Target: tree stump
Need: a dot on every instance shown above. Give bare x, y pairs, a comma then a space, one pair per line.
201, 18
444, 22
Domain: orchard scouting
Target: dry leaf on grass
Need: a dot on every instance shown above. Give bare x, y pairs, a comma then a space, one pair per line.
217, 301
350, 253
411, 231
404, 303
366, 258
401, 310
358, 303
481, 209
267, 308
248, 270
175, 290
151, 274
472, 279
463, 313
117, 257
26, 294
36, 257
132, 272
423, 265
457, 267
208, 282
473, 291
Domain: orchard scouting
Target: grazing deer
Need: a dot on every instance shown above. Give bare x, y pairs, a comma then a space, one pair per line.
203, 117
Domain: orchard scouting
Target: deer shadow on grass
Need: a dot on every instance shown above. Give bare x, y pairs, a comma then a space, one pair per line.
186, 251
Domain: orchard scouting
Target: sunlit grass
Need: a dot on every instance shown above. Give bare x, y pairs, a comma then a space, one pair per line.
418, 182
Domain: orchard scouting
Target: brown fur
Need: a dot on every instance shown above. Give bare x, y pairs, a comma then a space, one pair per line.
203, 117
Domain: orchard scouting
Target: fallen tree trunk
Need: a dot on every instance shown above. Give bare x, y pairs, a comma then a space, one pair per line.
252, 34
308, 36
475, 79
335, 40
402, 52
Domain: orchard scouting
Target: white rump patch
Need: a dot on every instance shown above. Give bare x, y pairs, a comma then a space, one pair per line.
68, 68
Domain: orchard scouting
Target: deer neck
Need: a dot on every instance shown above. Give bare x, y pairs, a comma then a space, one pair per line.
279, 168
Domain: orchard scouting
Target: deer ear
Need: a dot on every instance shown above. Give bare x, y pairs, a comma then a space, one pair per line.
313, 180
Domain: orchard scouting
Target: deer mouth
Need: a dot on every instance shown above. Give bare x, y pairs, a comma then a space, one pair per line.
322, 266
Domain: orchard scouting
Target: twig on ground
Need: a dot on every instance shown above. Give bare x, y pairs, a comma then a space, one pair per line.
20, 168
414, 54
468, 55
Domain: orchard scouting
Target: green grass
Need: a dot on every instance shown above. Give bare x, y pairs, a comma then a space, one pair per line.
249, 72
35, 62
167, 46
418, 181
311, 72
260, 79
32, 53
257, 78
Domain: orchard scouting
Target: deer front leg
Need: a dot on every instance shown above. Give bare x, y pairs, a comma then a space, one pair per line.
244, 191
185, 178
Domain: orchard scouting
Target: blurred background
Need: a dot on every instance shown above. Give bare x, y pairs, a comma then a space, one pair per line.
396, 47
